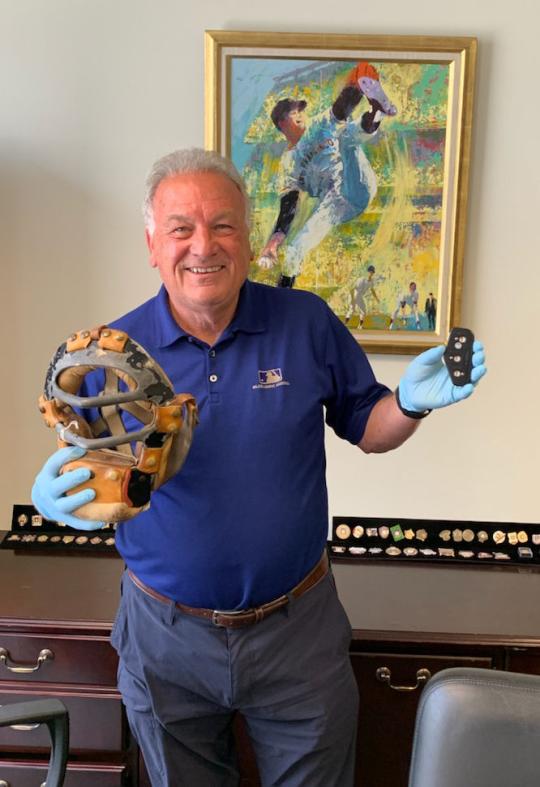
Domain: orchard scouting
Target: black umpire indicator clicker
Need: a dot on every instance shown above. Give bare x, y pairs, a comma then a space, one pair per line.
458, 355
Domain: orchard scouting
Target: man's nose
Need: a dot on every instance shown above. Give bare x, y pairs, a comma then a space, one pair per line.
202, 242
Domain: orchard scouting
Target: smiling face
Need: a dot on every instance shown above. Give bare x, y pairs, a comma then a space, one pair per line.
200, 246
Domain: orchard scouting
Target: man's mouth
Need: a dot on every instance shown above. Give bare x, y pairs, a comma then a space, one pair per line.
199, 270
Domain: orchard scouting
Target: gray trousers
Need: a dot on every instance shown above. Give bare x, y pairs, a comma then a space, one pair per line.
182, 678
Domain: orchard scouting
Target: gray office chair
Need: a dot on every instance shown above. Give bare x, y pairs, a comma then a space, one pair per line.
54, 714
477, 728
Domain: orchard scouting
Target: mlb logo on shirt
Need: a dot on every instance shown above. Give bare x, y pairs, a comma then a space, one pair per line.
270, 377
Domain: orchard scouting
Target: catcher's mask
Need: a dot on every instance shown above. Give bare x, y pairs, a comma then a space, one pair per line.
123, 478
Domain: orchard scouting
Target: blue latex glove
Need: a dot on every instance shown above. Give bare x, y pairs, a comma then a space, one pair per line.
48, 492
426, 384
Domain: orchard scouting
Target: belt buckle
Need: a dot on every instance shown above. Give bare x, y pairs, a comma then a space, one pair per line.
217, 612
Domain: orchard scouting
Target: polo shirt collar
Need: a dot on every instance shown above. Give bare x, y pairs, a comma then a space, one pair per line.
249, 317
167, 330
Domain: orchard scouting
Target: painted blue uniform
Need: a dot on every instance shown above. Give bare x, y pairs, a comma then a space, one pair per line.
247, 516
329, 164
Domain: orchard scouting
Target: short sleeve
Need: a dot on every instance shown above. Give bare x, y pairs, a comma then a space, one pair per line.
355, 390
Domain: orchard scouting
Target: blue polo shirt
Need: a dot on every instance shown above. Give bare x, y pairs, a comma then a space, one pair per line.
246, 518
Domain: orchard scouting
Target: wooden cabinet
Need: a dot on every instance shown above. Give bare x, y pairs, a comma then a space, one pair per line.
56, 615
55, 618
391, 672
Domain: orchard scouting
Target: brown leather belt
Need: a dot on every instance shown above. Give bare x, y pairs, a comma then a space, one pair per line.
243, 617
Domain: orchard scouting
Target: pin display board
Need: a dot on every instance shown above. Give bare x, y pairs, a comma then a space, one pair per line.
32, 532
434, 541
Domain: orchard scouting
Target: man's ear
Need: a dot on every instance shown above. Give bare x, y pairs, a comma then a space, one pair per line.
150, 244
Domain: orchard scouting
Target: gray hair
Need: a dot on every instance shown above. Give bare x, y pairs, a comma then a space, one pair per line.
190, 160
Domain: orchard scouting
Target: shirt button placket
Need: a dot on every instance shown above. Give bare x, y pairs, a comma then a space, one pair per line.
213, 377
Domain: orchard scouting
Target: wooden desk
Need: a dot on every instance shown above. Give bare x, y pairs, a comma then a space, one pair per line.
62, 607
410, 618
66, 604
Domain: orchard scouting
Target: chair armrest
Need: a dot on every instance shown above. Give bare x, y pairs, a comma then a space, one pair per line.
54, 714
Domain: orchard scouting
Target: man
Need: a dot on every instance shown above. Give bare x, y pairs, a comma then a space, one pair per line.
430, 309
243, 526
326, 161
405, 299
363, 286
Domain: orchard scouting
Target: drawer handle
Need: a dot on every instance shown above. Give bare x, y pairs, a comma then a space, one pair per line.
385, 676
22, 728
43, 656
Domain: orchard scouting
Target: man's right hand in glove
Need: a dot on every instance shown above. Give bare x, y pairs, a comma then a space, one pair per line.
50, 487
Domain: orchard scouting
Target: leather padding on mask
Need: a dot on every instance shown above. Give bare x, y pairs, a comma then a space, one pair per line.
126, 466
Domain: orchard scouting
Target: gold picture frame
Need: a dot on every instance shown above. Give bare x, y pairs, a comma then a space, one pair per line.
379, 216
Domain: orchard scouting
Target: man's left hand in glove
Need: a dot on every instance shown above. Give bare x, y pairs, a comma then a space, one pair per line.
426, 384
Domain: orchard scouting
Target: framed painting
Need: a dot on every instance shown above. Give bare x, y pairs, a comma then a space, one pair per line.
355, 152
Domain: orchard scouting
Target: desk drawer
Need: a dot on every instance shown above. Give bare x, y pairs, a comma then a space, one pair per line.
77, 659
96, 722
390, 685
33, 774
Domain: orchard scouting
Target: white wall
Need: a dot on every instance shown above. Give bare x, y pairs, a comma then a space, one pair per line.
92, 91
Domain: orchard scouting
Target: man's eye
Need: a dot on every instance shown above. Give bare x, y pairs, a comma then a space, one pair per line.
181, 230
223, 228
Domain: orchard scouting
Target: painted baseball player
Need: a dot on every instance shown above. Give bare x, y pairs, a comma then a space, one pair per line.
405, 299
430, 310
325, 160
362, 287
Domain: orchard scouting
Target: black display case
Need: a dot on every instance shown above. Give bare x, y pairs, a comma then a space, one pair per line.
31, 532
434, 541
